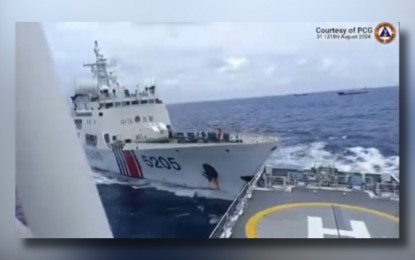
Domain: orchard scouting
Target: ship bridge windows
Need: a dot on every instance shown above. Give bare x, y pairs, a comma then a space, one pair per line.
158, 101
150, 118
107, 138
129, 103
91, 140
78, 123
84, 114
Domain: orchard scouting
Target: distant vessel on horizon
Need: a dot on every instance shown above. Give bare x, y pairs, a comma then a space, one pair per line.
353, 92
299, 95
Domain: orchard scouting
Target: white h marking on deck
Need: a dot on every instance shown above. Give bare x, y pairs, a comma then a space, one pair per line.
316, 229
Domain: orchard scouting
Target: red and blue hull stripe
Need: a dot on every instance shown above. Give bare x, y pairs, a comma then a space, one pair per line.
128, 164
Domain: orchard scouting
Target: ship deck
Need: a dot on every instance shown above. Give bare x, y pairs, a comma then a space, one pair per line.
286, 203
183, 142
308, 213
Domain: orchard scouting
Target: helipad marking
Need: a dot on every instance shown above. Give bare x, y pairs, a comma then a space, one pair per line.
252, 224
316, 229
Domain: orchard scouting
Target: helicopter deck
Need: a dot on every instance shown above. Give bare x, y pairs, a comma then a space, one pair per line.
283, 204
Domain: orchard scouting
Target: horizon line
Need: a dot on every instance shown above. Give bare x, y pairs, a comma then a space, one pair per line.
276, 95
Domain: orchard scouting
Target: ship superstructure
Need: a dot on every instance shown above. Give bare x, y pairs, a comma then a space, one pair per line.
130, 133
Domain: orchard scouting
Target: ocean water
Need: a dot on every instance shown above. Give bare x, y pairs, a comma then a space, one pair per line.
356, 132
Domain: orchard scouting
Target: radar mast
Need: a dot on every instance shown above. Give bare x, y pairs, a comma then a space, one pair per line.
99, 69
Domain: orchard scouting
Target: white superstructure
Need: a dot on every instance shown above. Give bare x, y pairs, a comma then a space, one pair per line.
130, 133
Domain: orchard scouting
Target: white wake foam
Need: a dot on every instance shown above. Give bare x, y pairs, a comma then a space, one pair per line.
358, 159
350, 159
104, 178
213, 219
192, 192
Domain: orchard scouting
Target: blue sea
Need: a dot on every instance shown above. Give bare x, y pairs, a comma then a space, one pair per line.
356, 132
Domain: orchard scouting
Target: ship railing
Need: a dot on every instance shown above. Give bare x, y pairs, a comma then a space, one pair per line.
204, 136
256, 138
337, 182
211, 136
271, 181
311, 179
394, 178
235, 210
386, 188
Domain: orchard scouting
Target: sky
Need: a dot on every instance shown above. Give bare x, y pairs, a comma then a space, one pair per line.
210, 61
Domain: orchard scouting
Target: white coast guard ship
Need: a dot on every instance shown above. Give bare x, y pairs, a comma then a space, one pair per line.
131, 134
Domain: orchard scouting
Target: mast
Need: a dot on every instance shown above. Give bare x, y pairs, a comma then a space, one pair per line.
99, 69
